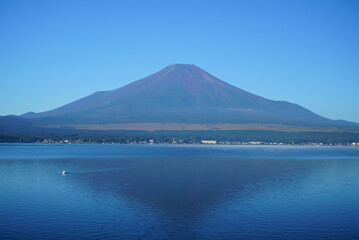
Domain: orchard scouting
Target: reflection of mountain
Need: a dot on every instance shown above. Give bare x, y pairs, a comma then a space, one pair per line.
185, 185
179, 93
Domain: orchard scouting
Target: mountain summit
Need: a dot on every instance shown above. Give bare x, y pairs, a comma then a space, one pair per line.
179, 93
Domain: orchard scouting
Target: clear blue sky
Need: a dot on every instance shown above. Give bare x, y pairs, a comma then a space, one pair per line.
305, 52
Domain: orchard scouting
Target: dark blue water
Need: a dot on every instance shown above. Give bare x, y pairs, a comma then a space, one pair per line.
178, 192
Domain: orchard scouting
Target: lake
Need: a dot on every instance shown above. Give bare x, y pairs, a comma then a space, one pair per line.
178, 192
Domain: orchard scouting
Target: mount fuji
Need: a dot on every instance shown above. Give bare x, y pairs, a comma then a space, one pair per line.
180, 93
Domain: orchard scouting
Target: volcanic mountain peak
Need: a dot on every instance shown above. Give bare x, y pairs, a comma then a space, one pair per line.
179, 93
186, 78
182, 67
180, 73
188, 71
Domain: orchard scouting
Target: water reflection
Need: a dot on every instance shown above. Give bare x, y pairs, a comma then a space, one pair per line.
228, 194
186, 185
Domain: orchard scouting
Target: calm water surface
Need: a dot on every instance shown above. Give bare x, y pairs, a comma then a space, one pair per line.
178, 192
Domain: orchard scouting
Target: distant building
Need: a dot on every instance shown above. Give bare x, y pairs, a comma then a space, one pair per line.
209, 141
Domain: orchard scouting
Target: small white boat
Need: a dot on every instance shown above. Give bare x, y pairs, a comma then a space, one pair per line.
64, 172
